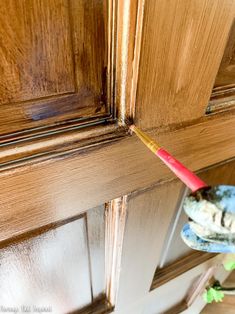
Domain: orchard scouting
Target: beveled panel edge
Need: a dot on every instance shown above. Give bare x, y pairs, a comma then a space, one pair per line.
222, 99
70, 138
45, 146
115, 219
100, 306
121, 163
179, 267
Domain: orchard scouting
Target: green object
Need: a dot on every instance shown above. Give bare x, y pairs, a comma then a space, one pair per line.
212, 294
229, 266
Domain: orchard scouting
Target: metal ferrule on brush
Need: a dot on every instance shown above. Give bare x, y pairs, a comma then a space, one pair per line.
147, 140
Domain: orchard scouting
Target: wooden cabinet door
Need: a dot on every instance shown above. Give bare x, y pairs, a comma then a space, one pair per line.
89, 218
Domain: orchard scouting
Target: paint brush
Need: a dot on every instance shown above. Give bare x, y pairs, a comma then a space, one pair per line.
190, 179
211, 209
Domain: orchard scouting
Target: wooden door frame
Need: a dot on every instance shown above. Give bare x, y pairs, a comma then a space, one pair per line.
46, 166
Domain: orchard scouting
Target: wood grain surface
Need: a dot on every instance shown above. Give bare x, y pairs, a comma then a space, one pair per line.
53, 64
115, 220
178, 63
148, 217
223, 93
34, 63
37, 194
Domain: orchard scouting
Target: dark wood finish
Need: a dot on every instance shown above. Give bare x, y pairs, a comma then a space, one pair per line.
54, 62
178, 308
37, 194
43, 146
163, 275
101, 306
223, 93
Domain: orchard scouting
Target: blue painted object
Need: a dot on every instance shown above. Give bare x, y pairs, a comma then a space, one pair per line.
196, 243
213, 208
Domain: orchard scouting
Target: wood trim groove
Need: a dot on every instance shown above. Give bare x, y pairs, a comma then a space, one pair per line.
122, 165
115, 219
136, 58
179, 267
129, 35
100, 306
41, 148
111, 36
20, 152
164, 181
178, 308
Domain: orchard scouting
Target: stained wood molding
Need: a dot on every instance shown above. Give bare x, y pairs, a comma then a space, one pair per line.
115, 219
197, 288
101, 306
178, 308
130, 15
199, 284
177, 268
44, 146
126, 162
222, 99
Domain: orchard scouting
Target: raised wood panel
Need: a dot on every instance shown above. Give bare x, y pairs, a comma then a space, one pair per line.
60, 265
178, 63
54, 58
36, 55
148, 215
178, 267
49, 270
176, 295
174, 248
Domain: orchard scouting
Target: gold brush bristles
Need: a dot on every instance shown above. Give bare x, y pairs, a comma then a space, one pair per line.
147, 140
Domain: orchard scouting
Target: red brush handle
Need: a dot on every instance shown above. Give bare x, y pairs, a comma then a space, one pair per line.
189, 178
